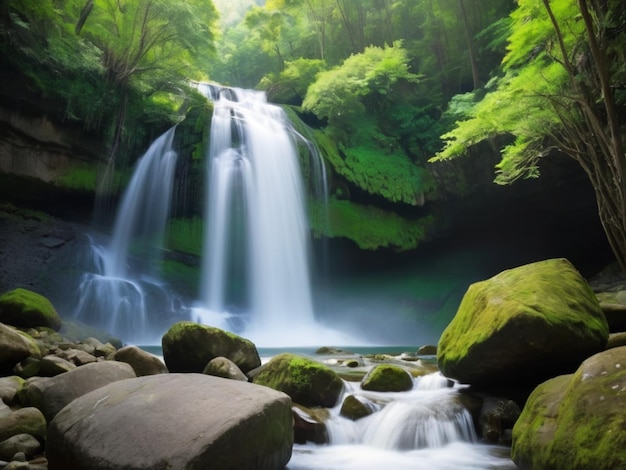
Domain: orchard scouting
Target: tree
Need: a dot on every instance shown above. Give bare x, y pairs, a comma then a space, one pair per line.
562, 91
145, 43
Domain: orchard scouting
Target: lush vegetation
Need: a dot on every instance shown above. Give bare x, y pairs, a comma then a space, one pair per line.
562, 89
389, 87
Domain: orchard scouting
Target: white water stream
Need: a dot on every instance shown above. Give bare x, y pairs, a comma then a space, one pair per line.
426, 428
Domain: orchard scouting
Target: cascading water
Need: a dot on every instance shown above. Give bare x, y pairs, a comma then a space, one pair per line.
110, 295
256, 251
427, 428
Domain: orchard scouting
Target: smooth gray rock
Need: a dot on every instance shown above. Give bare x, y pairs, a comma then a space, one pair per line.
173, 421
51, 394
13, 348
142, 362
22, 421
19, 443
225, 368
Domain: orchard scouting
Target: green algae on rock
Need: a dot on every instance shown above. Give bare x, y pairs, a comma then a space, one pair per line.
189, 346
27, 309
576, 421
307, 382
524, 324
387, 378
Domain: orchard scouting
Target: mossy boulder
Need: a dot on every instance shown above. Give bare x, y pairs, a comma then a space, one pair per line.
523, 325
355, 407
307, 382
576, 421
27, 309
387, 378
189, 346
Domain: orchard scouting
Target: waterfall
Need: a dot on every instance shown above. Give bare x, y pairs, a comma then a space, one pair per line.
142, 215
111, 295
257, 237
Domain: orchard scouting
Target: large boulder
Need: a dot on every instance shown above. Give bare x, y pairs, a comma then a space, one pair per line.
25, 309
523, 325
307, 382
51, 394
190, 421
576, 421
189, 346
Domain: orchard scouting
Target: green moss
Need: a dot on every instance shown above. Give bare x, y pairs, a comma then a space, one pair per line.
536, 307
378, 165
182, 277
576, 421
306, 381
84, 177
24, 308
185, 235
387, 378
368, 226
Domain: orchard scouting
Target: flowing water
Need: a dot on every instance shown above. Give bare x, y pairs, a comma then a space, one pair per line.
118, 291
257, 237
426, 428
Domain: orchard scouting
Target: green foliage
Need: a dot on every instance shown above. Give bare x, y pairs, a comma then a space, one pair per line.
337, 94
527, 102
185, 235
369, 227
292, 83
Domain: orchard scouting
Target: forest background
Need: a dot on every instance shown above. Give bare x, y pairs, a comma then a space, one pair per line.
391, 91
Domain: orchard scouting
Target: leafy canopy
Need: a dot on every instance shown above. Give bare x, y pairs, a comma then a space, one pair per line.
338, 93
523, 102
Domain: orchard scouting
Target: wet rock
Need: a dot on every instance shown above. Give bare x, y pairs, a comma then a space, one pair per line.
576, 421
522, 326
52, 365
51, 394
613, 305
27, 420
497, 418
427, 350
225, 368
23, 443
14, 347
29, 367
24, 308
387, 378
190, 421
77, 356
307, 382
142, 362
189, 346
9, 387
616, 340
308, 425
354, 407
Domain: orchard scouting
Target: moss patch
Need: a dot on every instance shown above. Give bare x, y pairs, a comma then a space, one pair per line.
368, 226
576, 421
306, 381
27, 309
543, 315
387, 378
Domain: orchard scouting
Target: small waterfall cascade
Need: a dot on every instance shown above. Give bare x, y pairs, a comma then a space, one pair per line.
257, 237
110, 295
427, 428
431, 415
